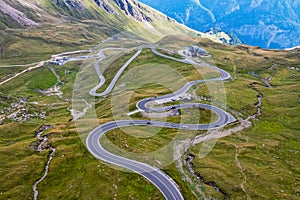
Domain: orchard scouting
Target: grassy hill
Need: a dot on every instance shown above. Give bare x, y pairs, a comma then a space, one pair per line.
241, 165
33, 30
260, 162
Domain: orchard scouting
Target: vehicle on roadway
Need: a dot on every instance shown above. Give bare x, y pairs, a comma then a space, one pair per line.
185, 126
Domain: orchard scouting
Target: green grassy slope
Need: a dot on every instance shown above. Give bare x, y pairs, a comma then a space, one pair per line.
267, 151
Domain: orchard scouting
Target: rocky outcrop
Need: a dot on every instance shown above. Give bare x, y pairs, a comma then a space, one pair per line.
16, 15
130, 7
189, 163
226, 38
133, 9
106, 6
74, 4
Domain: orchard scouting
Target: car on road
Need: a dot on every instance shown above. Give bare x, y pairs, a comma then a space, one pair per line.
185, 126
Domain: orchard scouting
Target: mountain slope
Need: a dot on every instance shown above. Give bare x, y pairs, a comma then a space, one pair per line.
261, 162
35, 13
119, 14
265, 23
36, 29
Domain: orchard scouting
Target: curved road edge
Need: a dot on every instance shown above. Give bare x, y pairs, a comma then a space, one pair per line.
163, 182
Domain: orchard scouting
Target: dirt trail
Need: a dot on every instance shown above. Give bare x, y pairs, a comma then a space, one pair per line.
40, 64
239, 165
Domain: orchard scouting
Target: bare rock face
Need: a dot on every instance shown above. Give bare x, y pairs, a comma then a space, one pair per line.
134, 9
16, 15
130, 7
106, 6
14, 11
74, 4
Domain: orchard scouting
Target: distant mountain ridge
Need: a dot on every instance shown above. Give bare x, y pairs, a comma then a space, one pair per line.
78, 24
264, 23
113, 14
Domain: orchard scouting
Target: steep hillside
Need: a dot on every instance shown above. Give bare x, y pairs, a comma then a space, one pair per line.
24, 13
115, 13
38, 28
265, 23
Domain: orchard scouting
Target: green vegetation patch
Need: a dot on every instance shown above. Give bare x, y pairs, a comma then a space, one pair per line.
42, 79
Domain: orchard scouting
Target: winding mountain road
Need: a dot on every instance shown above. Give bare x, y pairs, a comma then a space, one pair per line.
162, 181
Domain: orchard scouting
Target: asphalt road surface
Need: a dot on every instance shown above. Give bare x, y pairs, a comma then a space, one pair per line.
162, 181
